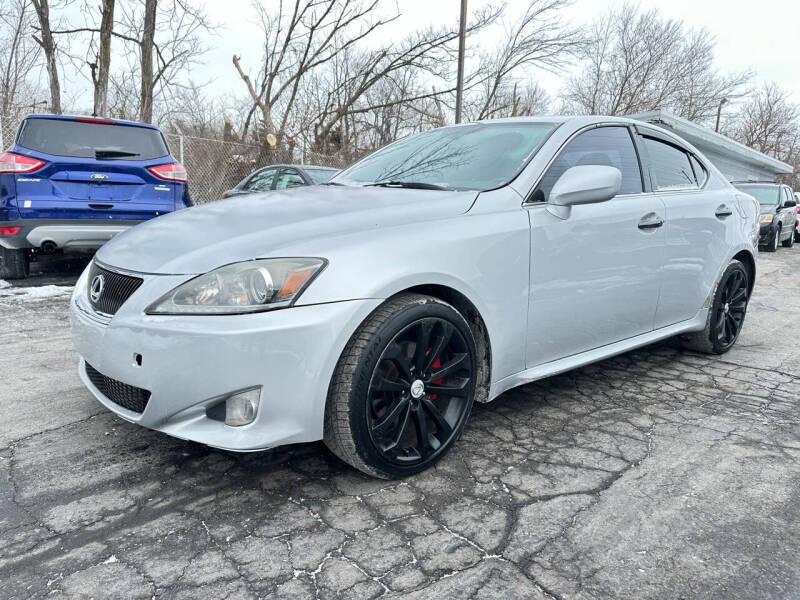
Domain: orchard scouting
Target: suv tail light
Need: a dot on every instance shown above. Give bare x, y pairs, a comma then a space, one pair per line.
170, 172
16, 163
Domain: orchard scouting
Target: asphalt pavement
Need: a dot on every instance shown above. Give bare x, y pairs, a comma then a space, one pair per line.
657, 474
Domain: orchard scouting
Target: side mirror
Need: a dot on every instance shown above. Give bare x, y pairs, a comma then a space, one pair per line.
587, 184
789, 204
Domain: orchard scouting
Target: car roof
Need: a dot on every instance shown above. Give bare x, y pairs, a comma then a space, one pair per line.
85, 119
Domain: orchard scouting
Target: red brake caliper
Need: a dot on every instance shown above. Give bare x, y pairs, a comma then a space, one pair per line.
436, 364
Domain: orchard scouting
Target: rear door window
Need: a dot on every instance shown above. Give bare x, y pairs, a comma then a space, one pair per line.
79, 139
604, 146
261, 181
670, 165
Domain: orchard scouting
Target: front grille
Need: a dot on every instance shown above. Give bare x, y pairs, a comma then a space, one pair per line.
127, 396
115, 288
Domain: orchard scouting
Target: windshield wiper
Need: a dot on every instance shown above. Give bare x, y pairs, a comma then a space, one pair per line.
114, 154
412, 185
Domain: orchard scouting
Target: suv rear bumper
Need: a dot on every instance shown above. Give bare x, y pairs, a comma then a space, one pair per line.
70, 235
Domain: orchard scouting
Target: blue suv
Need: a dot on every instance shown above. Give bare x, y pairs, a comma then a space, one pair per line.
71, 183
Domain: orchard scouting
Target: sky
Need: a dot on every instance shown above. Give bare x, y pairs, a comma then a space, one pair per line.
762, 36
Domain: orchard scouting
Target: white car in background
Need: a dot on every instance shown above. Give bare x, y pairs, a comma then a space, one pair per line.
797, 219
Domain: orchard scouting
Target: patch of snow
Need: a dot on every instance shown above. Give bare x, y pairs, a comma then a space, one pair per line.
28, 294
4, 284
111, 559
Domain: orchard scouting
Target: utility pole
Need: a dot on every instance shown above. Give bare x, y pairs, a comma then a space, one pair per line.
462, 34
719, 113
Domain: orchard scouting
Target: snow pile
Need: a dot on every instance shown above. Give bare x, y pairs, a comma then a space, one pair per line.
22, 294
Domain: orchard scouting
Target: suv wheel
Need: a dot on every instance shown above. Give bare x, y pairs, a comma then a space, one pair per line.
403, 387
14, 264
773, 245
789, 241
726, 315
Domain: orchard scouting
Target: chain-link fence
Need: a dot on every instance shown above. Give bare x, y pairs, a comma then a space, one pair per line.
213, 166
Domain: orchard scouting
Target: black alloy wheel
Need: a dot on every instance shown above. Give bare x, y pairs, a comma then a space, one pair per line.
420, 391
730, 308
403, 387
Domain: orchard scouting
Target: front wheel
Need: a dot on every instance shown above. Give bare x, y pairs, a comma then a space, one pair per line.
403, 388
14, 264
773, 245
726, 315
789, 241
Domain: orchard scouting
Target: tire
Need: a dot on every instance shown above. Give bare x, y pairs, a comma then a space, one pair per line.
14, 264
789, 241
728, 307
773, 244
384, 397
797, 235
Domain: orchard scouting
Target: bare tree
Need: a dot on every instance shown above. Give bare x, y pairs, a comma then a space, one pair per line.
768, 121
48, 45
540, 38
315, 71
18, 54
146, 46
103, 62
638, 61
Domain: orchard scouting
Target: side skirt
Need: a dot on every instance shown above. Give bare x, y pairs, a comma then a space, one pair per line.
584, 358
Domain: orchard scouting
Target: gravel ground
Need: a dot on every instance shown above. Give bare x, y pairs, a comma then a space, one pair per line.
657, 474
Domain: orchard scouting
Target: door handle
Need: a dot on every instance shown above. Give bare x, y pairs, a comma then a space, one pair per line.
651, 221
723, 211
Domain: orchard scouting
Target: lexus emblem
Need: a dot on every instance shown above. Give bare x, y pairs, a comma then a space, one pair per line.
99, 176
96, 289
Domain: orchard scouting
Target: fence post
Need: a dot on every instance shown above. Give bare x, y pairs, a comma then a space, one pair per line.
2, 145
180, 148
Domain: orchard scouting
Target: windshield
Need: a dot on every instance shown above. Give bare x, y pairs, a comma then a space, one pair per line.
320, 175
767, 195
79, 139
478, 156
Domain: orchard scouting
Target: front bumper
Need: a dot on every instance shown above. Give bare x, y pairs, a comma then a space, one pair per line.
767, 233
68, 234
189, 363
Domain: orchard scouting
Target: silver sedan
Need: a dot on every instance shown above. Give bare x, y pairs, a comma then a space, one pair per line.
443, 269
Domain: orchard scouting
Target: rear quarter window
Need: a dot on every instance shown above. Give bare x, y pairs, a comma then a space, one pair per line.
78, 139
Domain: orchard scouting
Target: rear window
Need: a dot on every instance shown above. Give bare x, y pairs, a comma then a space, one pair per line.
79, 139
321, 175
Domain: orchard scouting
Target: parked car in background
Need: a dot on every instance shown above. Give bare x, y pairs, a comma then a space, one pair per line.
71, 183
443, 269
281, 177
778, 216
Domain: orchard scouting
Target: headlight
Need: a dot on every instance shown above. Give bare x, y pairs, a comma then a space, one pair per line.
767, 218
245, 287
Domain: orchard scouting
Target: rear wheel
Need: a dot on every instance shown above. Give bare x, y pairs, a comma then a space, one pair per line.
726, 315
403, 388
14, 264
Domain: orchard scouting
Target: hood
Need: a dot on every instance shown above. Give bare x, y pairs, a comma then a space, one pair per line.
198, 239
769, 208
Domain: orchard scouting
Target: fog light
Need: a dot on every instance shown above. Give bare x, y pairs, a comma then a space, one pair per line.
241, 408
